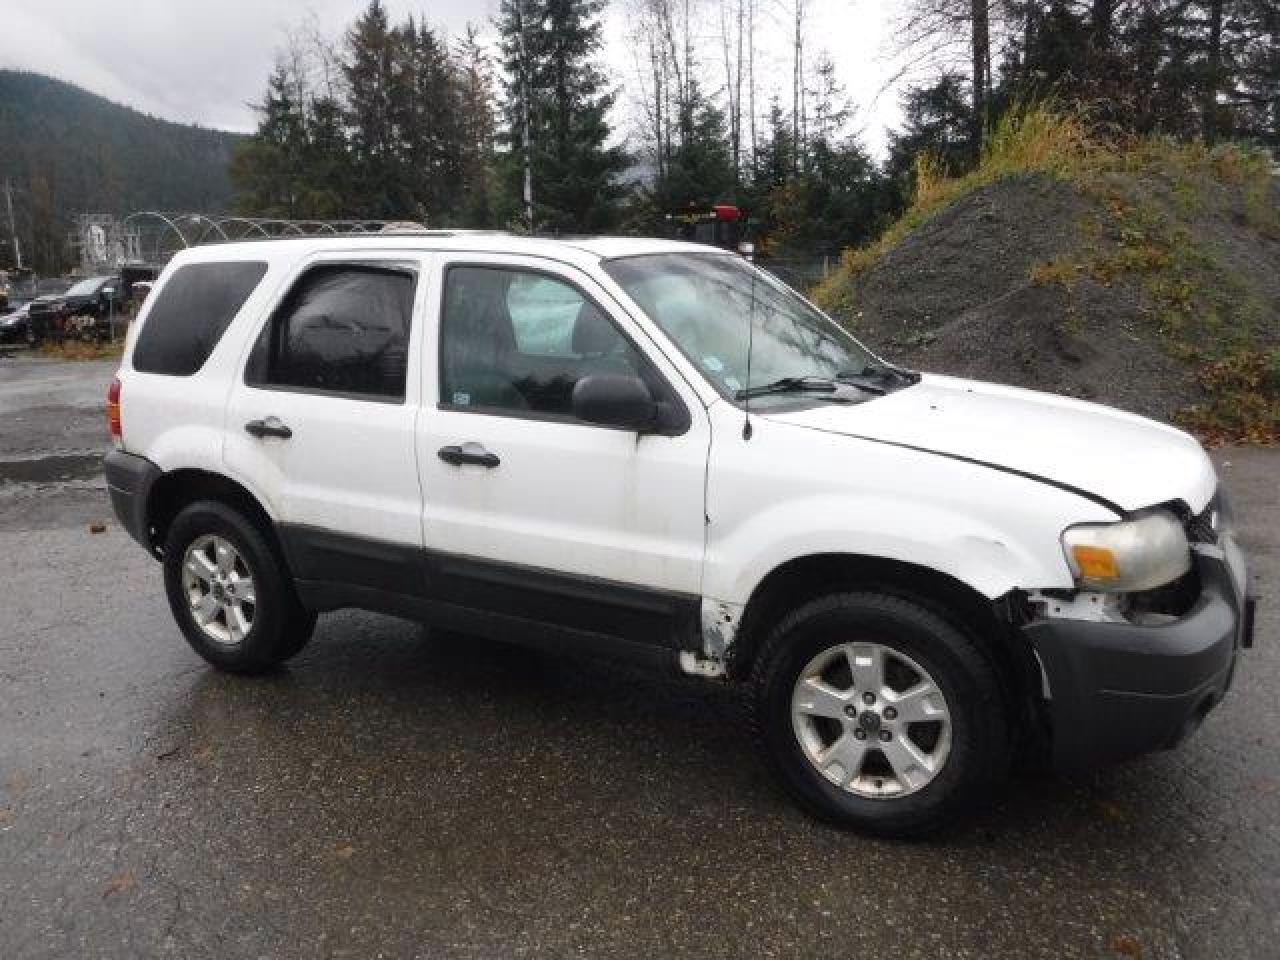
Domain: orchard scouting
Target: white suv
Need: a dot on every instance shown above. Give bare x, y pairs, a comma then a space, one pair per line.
655, 450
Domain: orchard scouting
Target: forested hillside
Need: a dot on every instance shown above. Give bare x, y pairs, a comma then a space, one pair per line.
68, 151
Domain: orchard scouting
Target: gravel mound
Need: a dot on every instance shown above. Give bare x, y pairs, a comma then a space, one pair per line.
956, 295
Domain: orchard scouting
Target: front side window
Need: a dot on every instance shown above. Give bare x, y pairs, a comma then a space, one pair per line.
343, 329
715, 306
519, 341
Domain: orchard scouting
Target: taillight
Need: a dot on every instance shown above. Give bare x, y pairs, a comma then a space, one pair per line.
113, 411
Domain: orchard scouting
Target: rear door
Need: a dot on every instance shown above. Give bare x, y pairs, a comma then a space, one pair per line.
544, 516
320, 424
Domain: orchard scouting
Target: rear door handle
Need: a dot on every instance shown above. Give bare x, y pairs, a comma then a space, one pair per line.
270, 427
469, 453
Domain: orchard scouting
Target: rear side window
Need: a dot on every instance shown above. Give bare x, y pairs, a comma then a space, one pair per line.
190, 315
343, 329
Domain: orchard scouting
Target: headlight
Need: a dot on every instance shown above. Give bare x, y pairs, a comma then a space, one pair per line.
1139, 554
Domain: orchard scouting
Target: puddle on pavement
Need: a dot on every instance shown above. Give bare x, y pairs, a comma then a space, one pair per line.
59, 468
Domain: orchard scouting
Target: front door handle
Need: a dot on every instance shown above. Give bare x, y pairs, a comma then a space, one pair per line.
270, 427
469, 453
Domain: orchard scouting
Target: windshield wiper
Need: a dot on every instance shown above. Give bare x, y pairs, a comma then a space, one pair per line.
878, 379
790, 385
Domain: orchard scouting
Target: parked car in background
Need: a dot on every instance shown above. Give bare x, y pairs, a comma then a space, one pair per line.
15, 326
85, 311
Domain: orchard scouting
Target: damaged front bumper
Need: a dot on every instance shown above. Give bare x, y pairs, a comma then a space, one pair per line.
1119, 688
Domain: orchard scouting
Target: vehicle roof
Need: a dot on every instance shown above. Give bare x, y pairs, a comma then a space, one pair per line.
576, 250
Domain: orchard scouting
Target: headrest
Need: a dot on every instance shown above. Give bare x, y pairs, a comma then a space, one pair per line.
593, 333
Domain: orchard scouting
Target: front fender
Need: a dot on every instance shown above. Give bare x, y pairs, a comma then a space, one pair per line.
979, 554
788, 494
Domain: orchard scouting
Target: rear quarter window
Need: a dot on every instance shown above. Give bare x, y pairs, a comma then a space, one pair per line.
191, 313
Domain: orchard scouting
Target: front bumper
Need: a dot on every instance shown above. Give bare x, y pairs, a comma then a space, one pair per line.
1118, 689
129, 480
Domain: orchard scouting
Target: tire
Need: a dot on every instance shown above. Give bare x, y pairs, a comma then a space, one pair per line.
969, 750
277, 625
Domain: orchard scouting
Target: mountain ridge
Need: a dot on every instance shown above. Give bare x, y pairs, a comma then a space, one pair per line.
68, 150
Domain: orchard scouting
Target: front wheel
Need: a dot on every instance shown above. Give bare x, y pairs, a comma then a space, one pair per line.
229, 591
880, 714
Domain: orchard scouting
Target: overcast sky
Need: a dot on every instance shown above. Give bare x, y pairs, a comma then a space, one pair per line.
205, 61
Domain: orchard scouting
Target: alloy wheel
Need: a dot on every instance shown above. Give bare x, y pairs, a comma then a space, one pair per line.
871, 720
219, 589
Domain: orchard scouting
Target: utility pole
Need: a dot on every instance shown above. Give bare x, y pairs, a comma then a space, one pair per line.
13, 230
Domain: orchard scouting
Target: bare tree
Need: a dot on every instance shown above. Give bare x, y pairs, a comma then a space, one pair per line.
732, 16
797, 85
751, 81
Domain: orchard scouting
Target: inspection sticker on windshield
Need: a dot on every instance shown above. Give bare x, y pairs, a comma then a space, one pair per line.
714, 364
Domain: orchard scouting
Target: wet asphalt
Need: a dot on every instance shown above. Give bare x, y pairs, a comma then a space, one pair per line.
396, 794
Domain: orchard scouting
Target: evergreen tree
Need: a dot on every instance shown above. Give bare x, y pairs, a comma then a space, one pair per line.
1254, 89
425, 110
699, 170
401, 128
776, 157
1182, 67
937, 119
557, 93
268, 168
838, 197
327, 162
374, 104
474, 80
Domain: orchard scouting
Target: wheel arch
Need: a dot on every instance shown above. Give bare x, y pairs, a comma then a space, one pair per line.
175, 489
990, 623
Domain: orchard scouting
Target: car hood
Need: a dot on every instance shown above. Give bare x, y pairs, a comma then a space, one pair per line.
1126, 460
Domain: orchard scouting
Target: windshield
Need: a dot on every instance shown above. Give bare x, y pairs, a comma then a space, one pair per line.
704, 303
86, 287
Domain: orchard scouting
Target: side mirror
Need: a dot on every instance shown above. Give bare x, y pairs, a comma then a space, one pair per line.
615, 401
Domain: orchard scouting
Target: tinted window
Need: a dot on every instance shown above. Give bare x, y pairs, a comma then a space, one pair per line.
343, 328
519, 341
190, 315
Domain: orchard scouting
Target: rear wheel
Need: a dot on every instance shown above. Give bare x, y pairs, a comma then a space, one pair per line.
229, 591
880, 714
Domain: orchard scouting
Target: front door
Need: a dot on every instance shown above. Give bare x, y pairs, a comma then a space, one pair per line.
528, 510
321, 423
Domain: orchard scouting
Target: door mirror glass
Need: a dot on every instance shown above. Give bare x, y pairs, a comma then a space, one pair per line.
612, 400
